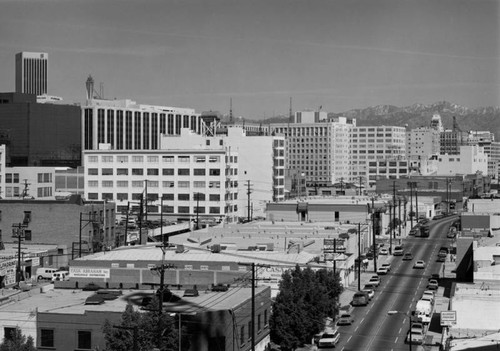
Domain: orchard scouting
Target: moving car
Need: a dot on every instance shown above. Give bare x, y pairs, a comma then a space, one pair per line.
383, 251
345, 319
442, 256
419, 264
398, 251
407, 256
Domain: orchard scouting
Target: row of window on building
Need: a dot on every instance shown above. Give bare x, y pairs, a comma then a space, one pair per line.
156, 159
164, 171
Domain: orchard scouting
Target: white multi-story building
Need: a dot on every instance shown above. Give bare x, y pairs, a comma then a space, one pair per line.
470, 160
126, 125
387, 168
187, 183
261, 164
375, 143
319, 151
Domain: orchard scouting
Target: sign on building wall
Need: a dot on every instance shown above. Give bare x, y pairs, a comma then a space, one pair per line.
8, 270
87, 272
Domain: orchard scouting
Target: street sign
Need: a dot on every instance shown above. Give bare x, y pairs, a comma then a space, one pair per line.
448, 318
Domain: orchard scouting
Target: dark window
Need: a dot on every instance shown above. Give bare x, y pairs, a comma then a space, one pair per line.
93, 196
199, 209
107, 171
153, 171
183, 209
27, 217
214, 210
242, 335
199, 171
107, 196
168, 171
122, 196
9, 333
168, 196
214, 197
47, 337
27, 235
137, 171
183, 197
183, 171
199, 196
214, 172
168, 209
337, 216
91, 171
84, 340
122, 171
258, 323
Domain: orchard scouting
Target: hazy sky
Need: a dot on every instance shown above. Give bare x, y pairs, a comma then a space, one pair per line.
339, 54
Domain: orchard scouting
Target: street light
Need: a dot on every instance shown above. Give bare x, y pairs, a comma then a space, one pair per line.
391, 313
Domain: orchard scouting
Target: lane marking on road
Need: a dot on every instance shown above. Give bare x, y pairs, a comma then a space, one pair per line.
396, 341
400, 330
362, 320
349, 338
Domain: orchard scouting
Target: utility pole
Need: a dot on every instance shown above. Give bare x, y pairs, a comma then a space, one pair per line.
254, 280
359, 256
410, 184
360, 185
126, 224
399, 217
161, 291
416, 199
18, 232
248, 196
390, 234
373, 234
394, 208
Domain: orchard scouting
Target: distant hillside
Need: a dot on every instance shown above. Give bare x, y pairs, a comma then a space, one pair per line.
417, 115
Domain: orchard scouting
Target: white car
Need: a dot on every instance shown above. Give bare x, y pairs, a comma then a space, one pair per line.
383, 251
370, 292
387, 266
419, 264
382, 270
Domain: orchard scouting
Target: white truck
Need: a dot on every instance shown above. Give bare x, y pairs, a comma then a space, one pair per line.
423, 311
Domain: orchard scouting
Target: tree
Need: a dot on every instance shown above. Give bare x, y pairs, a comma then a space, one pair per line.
149, 325
18, 342
305, 299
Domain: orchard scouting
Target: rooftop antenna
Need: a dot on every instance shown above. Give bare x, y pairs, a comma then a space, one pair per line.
290, 113
230, 110
91, 92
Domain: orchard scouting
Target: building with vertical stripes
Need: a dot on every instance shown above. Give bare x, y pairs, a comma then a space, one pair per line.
126, 125
31, 72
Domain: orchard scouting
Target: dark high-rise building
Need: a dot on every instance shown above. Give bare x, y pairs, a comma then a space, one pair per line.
39, 134
31, 72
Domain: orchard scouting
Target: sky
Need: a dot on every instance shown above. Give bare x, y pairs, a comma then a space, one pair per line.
334, 54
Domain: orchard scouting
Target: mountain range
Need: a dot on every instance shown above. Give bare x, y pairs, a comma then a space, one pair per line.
419, 115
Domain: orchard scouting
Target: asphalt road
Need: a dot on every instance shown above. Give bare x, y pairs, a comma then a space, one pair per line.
373, 329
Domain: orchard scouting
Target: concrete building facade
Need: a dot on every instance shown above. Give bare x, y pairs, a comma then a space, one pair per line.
469, 160
319, 150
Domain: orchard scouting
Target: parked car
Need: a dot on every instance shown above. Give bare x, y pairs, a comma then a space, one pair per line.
371, 286
382, 270
375, 280
419, 264
360, 298
370, 292
345, 319
387, 265
330, 338
432, 285
438, 216
441, 256
434, 276
191, 293
428, 295
407, 256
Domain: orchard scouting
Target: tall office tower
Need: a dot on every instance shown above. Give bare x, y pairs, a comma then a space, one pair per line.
31, 72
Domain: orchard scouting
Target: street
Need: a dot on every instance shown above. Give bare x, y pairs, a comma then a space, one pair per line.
400, 289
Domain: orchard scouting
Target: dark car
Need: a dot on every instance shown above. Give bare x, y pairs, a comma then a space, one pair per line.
220, 287
434, 276
191, 293
91, 287
407, 256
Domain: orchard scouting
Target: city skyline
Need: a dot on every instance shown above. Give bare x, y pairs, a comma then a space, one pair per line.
336, 54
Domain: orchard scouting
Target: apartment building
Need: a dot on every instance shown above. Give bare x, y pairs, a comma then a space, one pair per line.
126, 125
422, 142
181, 184
319, 150
372, 143
32, 72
